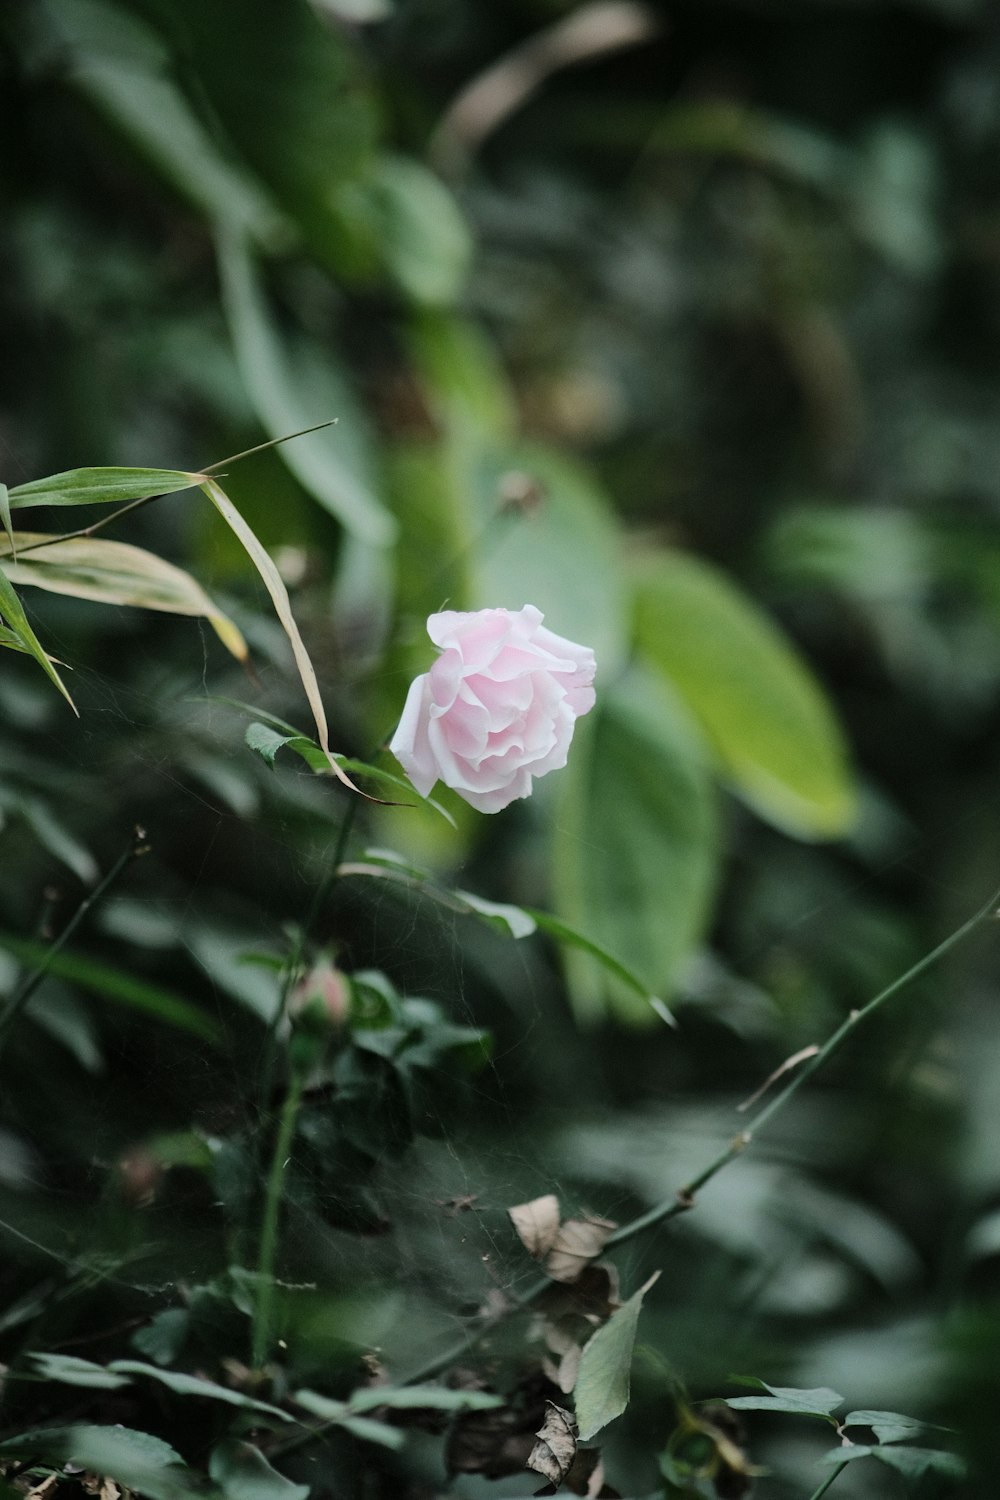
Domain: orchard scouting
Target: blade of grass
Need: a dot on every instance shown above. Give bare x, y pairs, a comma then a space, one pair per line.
13, 613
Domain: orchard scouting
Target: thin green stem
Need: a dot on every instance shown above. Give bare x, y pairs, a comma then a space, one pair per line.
264, 1306
684, 1198
19, 999
828, 1481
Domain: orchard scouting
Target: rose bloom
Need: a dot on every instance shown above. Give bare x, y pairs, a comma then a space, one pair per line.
496, 709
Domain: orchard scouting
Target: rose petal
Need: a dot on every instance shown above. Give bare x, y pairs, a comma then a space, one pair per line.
410, 744
497, 708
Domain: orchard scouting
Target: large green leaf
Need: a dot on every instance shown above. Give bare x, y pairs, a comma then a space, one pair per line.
601, 1391
101, 486
122, 66
420, 232
112, 573
769, 723
291, 388
561, 551
635, 848
139, 1460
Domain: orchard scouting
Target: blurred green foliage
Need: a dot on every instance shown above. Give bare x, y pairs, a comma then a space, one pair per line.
692, 343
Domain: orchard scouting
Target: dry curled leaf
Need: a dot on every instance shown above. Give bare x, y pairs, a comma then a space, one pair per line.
537, 1224
555, 1449
578, 1242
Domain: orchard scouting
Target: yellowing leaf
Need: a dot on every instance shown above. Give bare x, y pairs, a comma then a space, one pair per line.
112, 573
578, 1242
272, 581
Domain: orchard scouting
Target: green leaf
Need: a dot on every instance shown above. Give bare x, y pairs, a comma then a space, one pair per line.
122, 66
193, 1385
513, 920
266, 743
137, 1459
423, 1398
275, 586
340, 1414
243, 1473
634, 851
70, 1370
563, 553
913, 1462
12, 610
418, 227
601, 1392
760, 707
819, 1402
112, 984
164, 1336
50, 832
114, 573
888, 1426
564, 933
292, 388
102, 486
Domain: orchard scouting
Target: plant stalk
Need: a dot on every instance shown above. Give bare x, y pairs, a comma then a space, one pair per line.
16, 1002
828, 1481
684, 1198
264, 1306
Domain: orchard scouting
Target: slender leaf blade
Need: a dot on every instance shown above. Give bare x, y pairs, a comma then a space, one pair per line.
13, 611
274, 584
102, 486
117, 573
112, 984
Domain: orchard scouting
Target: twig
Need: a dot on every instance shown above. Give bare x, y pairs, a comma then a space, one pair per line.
18, 1000
84, 531
684, 1198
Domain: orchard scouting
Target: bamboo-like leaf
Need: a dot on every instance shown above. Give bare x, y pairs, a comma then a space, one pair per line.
115, 985
113, 573
5, 513
272, 581
102, 486
17, 620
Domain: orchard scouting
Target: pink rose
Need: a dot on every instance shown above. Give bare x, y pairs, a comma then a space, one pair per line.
496, 709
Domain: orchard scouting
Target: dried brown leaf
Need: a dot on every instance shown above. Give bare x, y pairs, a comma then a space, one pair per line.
578, 1242
487, 1442
555, 1449
537, 1224
44, 1490
586, 1475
